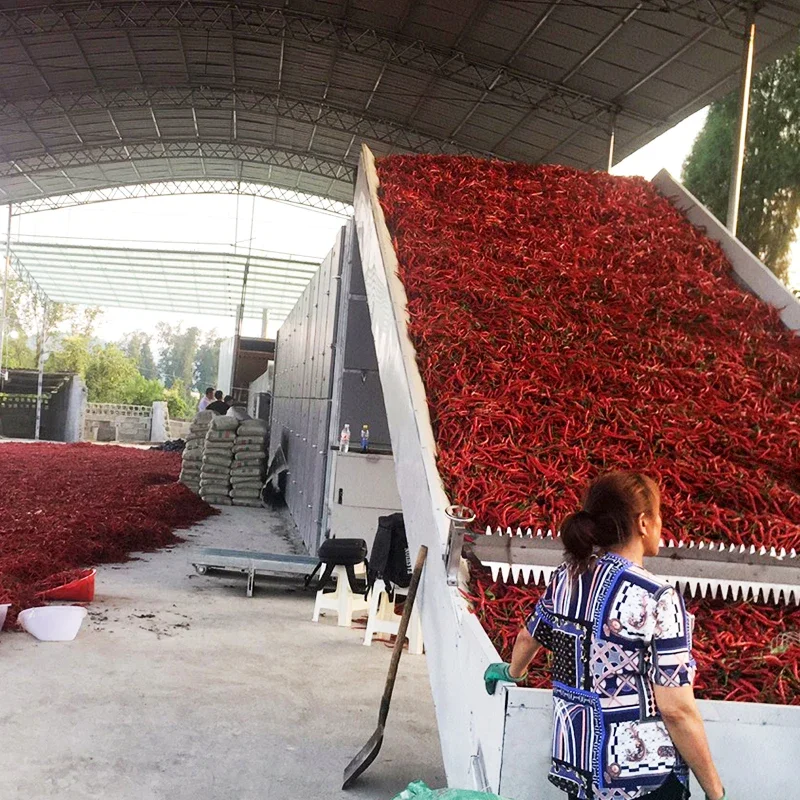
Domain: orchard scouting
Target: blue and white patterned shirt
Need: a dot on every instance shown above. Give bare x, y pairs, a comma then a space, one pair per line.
614, 632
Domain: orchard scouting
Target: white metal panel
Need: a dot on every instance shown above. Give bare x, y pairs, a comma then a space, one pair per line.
365, 480
458, 649
751, 272
353, 522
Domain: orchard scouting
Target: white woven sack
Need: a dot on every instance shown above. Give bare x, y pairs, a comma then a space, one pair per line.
219, 460
240, 480
249, 448
221, 423
219, 448
192, 455
217, 500
246, 474
255, 458
253, 427
238, 413
215, 469
240, 501
245, 494
213, 488
203, 417
225, 436
256, 485
259, 440
215, 483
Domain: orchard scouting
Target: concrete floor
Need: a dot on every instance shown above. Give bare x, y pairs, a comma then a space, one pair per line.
178, 686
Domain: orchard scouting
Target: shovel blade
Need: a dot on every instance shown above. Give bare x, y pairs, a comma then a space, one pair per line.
365, 756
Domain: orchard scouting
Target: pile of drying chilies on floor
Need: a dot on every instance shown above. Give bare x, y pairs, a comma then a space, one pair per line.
567, 323
65, 507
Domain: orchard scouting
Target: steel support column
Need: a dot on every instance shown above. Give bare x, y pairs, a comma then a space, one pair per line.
42, 345
5, 293
740, 143
612, 140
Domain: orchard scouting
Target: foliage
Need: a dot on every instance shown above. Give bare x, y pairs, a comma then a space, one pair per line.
207, 362
770, 202
126, 372
139, 346
178, 349
141, 391
180, 405
109, 375
188, 357
73, 355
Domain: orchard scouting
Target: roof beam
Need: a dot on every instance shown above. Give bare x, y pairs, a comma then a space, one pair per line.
627, 17
314, 112
276, 24
26, 277
592, 118
112, 192
111, 153
521, 46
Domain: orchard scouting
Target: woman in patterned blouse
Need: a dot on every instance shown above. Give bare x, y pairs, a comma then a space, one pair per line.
626, 724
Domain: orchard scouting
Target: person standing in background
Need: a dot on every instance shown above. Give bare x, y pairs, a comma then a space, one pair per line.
206, 399
219, 405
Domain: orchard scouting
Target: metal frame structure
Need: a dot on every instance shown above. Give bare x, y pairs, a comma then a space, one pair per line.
171, 188
179, 281
97, 97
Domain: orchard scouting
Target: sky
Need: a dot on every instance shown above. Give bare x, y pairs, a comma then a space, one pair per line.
198, 220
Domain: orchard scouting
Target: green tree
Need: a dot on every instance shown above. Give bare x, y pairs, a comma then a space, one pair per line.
178, 401
139, 346
73, 354
178, 353
770, 202
207, 362
109, 375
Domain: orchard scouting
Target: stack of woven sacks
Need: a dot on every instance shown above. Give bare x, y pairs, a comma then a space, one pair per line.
193, 452
215, 476
249, 462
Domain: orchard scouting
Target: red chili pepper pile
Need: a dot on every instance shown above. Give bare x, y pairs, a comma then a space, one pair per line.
68, 506
744, 651
567, 323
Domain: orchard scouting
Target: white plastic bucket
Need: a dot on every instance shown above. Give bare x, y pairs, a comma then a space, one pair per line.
53, 623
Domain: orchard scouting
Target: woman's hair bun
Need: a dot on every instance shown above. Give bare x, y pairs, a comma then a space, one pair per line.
578, 535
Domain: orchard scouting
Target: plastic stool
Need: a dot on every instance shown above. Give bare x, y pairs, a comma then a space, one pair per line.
343, 600
382, 619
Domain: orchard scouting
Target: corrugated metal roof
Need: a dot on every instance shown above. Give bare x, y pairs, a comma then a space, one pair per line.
112, 94
178, 281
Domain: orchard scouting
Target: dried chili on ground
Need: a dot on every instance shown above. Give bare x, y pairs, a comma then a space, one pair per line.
65, 507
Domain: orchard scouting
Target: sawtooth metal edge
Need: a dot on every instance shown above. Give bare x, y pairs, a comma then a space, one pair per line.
701, 570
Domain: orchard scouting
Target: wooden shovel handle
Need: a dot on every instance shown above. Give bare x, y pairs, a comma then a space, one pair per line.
408, 607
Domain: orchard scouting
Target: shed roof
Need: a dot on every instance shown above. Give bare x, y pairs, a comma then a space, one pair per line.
177, 281
281, 93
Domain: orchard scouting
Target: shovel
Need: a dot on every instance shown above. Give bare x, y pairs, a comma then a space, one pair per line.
367, 754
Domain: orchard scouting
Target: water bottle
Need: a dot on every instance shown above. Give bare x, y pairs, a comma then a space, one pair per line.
344, 439
364, 438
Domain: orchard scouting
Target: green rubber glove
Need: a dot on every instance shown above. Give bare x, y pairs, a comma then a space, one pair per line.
499, 672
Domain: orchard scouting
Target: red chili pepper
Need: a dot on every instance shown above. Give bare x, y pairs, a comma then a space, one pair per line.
567, 323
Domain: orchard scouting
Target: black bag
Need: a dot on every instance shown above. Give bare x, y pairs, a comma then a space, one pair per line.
390, 560
340, 553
